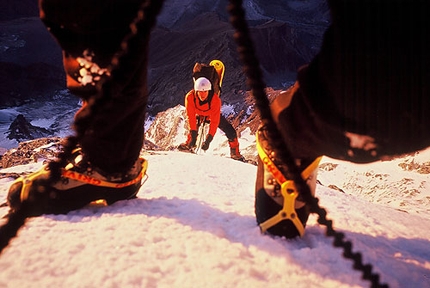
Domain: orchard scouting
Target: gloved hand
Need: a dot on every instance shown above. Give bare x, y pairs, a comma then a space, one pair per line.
193, 138
207, 142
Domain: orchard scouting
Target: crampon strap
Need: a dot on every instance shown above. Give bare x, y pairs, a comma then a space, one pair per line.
44, 174
98, 182
288, 191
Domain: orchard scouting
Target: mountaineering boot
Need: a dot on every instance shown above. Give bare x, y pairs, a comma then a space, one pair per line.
234, 150
191, 141
80, 184
279, 208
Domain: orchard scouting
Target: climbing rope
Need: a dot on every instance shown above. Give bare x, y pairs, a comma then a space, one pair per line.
146, 17
254, 80
143, 22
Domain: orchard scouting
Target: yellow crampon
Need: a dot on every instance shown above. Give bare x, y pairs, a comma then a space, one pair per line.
288, 191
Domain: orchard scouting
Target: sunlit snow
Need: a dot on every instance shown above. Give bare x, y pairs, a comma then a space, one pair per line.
193, 225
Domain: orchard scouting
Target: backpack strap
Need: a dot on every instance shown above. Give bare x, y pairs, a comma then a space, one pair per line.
209, 100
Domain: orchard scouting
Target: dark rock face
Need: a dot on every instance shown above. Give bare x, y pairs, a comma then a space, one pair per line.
21, 84
22, 130
30, 62
12, 9
286, 35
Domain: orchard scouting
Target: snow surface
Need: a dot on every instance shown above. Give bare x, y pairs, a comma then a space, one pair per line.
193, 225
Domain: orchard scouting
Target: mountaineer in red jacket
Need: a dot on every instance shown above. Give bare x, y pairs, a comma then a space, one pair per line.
203, 104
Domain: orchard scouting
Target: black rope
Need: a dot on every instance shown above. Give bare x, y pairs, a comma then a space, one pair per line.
254, 80
144, 22
145, 19
15, 220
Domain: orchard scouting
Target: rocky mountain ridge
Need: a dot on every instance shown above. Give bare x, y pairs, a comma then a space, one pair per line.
164, 133
286, 35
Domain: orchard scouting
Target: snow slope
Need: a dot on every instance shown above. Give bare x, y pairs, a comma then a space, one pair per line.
193, 225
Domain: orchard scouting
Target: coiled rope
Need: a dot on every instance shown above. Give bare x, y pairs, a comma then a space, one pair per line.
253, 72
